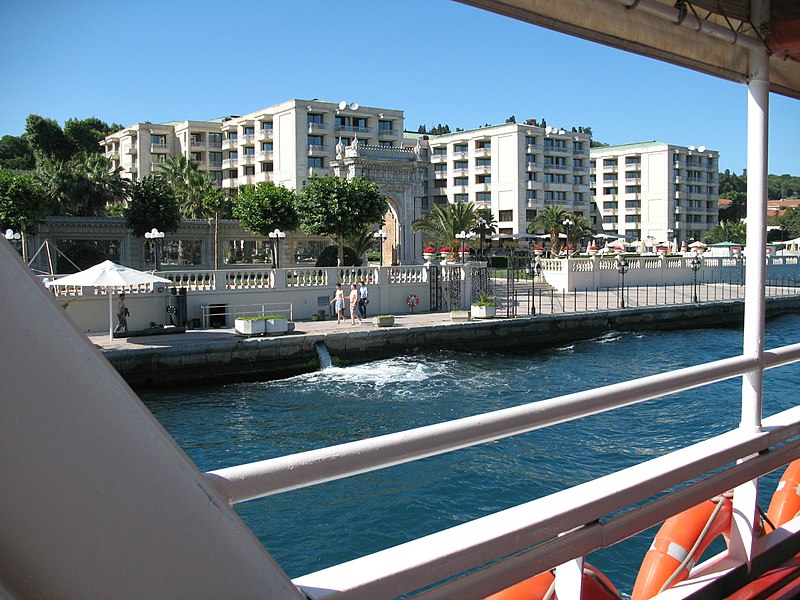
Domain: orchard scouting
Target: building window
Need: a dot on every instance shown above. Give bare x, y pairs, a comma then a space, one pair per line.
315, 118
461, 198
440, 169
267, 147
483, 179
315, 140
610, 219
483, 162
460, 148
266, 126
316, 162
530, 140
215, 140
461, 164
440, 200
215, 158
610, 191
483, 145
385, 126
440, 183
249, 151
197, 138
609, 205
530, 194
197, 157
216, 176
530, 215
233, 154
384, 144
632, 218
440, 151
577, 146
251, 170
506, 215
483, 197
267, 167
633, 204
233, 174
632, 189
461, 181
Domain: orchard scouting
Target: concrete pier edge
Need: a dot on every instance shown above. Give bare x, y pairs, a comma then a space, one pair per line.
228, 358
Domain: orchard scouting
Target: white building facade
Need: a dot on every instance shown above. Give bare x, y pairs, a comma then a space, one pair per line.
655, 190
514, 169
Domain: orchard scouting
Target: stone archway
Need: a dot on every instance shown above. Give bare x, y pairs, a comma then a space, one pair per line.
399, 174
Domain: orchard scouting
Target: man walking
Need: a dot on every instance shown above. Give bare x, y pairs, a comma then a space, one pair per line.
363, 299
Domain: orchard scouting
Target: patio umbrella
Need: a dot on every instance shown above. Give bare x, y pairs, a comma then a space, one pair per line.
110, 276
698, 245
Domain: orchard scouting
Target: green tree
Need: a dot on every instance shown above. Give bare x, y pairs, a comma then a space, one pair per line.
23, 204
488, 227
16, 153
790, 221
443, 223
84, 186
215, 202
151, 204
550, 219
581, 227
338, 207
47, 138
361, 241
85, 135
264, 207
727, 231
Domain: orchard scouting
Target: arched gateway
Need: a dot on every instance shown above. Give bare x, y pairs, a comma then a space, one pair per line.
399, 173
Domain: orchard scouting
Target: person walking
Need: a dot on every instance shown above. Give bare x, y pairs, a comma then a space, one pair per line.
353, 304
338, 302
122, 314
363, 299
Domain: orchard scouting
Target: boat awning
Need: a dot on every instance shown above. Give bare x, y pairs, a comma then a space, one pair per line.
711, 36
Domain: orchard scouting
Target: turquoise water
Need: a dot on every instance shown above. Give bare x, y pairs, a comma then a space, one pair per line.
310, 529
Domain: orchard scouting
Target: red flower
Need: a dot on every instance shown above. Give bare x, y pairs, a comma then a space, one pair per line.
445, 249
538, 248
429, 250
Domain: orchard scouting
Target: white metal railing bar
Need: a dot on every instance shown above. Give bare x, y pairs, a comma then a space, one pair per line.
271, 476
433, 558
595, 535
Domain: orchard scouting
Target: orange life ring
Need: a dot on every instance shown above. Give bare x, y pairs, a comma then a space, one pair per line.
412, 300
785, 503
596, 586
668, 560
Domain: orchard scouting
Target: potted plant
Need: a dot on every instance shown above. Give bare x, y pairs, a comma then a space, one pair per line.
250, 325
429, 253
592, 250
445, 253
484, 306
459, 315
383, 320
538, 250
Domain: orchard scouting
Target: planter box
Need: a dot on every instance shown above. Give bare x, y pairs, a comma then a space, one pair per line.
483, 312
248, 327
383, 321
276, 326
459, 315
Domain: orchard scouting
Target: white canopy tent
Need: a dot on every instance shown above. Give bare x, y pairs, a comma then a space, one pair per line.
110, 276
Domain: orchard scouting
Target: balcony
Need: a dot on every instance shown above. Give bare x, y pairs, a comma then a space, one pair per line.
352, 129
557, 150
199, 144
483, 152
318, 171
265, 155
215, 144
316, 149
131, 150
387, 132
531, 148
534, 185
459, 189
113, 155
246, 180
247, 159
438, 159
483, 170
264, 134
440, 174
229, 144
215, 164
312, 127
633, 181
533, 166
158, 147
482, 187
555, 167
611, 168
460, 172
229, 183
460, 155
230, 163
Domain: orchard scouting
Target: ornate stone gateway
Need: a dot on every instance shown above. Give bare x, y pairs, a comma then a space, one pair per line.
399, 173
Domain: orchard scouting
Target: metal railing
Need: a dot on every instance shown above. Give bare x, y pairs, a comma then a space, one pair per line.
505, 547
209, 311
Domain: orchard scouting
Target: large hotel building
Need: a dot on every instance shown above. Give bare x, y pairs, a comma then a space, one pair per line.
651, 189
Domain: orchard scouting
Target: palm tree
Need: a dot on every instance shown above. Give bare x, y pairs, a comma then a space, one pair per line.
442, 224
550, 219
361, 241
581, 227
485, 223
727, 231
190, 186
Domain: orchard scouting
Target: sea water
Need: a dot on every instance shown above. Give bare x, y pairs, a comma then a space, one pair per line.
306, 530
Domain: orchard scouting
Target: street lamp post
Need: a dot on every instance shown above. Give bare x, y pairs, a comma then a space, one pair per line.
482, 233
695, 263
567, 223
155, 235
536, 270
276, 237
622, 268
380, 235
461, 237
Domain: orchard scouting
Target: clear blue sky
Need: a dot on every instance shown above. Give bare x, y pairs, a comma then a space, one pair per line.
439, 61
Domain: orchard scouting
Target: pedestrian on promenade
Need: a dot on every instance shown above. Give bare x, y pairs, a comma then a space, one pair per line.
122, 314
363, 299
338, 302
353, 304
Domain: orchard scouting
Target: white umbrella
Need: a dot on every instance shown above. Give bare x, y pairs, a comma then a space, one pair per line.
697, 245
108, 275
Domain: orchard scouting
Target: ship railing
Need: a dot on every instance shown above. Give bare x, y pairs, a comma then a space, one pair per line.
500, 549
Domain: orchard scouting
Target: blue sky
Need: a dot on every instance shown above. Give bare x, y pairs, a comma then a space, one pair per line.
437, 60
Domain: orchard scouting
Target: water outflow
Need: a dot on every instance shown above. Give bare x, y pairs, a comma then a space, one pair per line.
324, 356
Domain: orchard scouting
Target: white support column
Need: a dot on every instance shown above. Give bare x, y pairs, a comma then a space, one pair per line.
743, 528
